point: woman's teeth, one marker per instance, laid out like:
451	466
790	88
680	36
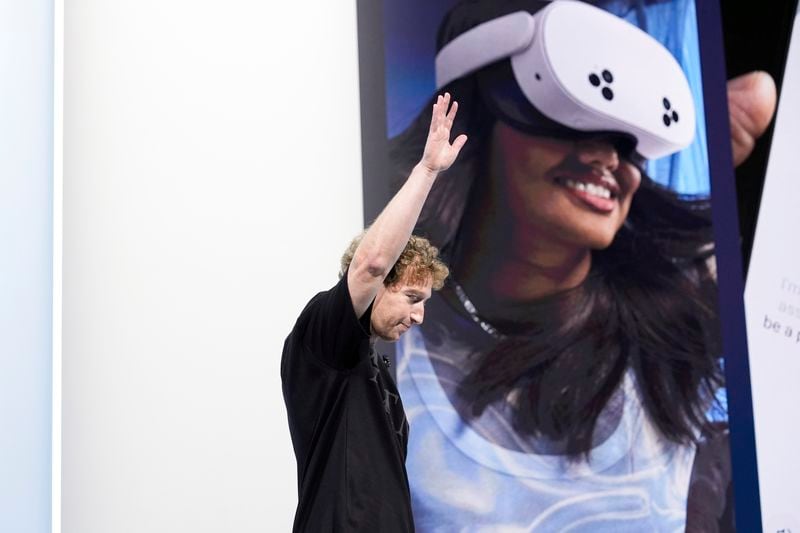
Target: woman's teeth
589	188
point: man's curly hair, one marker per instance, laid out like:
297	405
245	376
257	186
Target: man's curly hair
418	263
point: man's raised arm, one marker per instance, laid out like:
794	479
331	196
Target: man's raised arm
387	236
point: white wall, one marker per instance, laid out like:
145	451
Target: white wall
211	181
26	159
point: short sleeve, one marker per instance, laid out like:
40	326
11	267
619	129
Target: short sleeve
330	329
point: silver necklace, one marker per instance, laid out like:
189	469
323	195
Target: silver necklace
472	311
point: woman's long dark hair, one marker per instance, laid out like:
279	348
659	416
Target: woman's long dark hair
649	304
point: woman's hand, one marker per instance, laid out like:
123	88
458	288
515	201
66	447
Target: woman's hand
751	104
439	154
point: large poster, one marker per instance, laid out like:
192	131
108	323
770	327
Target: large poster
570	376
773	311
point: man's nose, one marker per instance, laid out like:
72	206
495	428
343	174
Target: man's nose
417	315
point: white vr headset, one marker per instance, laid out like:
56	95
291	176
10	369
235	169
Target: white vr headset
586	69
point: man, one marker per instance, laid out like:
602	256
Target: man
346	419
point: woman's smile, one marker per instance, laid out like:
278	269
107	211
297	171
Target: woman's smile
575	192
597	192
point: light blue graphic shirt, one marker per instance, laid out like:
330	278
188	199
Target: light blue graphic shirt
460	482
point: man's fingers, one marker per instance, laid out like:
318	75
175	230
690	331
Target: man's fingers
451	115
458	144
438	113
751	101
436	106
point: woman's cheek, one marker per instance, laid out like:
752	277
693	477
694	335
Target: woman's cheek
632	177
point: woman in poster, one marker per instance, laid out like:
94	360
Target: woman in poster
567	376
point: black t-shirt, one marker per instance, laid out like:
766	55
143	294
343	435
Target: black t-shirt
347	422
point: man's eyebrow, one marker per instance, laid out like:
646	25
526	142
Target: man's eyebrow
422	295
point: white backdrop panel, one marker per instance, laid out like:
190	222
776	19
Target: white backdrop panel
211	181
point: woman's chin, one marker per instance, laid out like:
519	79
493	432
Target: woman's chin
602	243
590	238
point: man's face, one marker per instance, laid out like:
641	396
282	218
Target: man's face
399	306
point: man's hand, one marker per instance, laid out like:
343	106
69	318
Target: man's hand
385	239
751	104
439	153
